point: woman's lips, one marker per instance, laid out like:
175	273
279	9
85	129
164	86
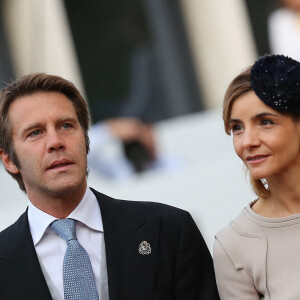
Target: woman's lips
256	159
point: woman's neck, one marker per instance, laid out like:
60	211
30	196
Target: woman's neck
284	199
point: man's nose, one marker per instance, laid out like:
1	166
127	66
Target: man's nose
54	141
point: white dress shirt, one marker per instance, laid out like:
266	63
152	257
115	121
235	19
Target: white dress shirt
50	248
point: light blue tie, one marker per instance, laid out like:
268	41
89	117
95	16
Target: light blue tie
78	277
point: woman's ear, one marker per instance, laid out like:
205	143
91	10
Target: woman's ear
8	163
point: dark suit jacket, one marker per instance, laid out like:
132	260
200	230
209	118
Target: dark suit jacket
179	266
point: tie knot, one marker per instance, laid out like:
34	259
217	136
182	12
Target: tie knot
65	229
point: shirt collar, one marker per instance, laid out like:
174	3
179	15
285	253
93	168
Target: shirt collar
87	212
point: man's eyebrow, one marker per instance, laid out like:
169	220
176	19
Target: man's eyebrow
39	124
30	127
66	118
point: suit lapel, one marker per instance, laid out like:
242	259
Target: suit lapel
24	278
131	275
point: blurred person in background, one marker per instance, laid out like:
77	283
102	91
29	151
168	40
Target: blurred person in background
284	29
257	255
122	147
74	242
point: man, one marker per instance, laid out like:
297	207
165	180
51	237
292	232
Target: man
125	250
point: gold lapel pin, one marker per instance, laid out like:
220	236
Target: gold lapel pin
144	248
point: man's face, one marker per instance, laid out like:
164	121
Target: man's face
49	144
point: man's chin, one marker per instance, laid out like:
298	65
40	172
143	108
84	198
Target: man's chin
60	190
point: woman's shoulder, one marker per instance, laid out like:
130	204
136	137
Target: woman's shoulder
239	226
241	240
244	223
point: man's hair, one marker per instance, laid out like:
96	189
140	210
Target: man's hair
28	85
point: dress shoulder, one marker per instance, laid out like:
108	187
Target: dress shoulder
238	240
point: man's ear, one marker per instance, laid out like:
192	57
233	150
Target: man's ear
7	162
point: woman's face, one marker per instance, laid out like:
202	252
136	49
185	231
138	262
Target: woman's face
267	141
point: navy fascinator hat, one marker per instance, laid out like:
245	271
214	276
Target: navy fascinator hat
275	80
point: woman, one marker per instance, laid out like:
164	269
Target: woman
257	256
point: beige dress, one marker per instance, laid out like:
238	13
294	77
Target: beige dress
258	258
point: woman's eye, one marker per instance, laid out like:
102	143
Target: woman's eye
266	122
235	128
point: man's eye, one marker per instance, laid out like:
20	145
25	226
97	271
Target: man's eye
35	132
66	126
